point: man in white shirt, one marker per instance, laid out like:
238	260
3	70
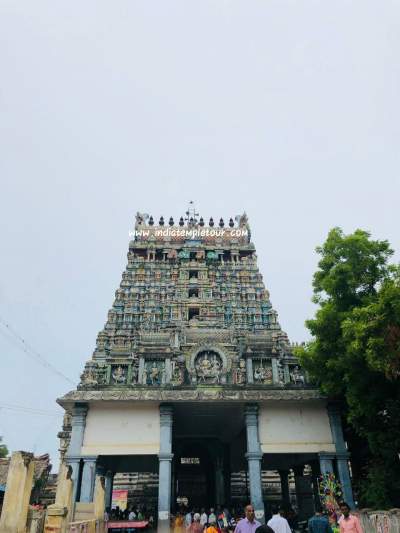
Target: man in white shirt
278	523
203	517
188	519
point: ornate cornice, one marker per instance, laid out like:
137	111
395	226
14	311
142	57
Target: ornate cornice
210	394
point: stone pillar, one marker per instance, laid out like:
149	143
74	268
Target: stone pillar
286	373
56	519
219	481
342	454
60	513
109	481
284	475
315	474
165	458
249	368
18	492
99	498
78	423
168	370
73	456
88	479
304	493
326	462
275	371
344	477
140	372
254	456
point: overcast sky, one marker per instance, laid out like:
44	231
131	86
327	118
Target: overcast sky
288	110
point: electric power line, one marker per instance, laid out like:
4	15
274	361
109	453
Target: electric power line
28	410
31	352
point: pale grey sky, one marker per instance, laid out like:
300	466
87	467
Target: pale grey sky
286	109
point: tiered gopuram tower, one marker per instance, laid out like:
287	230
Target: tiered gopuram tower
192	378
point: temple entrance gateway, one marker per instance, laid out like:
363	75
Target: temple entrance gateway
194	384
194	477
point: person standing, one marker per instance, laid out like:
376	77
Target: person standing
188	520
178	523
203	517
248	524
196	527
212	527
349	523
319	523
212	519
278	523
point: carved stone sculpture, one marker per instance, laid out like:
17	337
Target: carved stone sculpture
119	375
240	373
208	367
262	373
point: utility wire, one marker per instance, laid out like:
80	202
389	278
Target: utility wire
28	410
31	352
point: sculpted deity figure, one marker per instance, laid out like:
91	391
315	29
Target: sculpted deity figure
208	369
216	369
89	377
240	373
205	365
101	343
163	375
135	372
263	374
119	375
258	373
144	376
177	373
297	377
154	374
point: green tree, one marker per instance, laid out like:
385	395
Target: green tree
355	351
3	449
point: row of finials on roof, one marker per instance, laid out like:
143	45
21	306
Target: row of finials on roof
192	221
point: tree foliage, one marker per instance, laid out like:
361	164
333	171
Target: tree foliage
355	351
3	449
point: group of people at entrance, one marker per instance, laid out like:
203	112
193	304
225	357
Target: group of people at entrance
319	523
222	521
199	521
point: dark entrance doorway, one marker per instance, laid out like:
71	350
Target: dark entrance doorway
194	476
208	441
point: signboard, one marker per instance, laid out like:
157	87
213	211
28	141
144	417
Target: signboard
120	499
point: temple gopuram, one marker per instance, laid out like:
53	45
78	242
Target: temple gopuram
194	384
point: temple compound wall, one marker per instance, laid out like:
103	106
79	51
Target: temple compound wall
194	384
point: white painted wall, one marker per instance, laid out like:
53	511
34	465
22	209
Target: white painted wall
295	428
120	428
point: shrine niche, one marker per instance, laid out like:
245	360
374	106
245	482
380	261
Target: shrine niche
119	374
262	372
208	367
154	373
240	373
177	372
296	375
